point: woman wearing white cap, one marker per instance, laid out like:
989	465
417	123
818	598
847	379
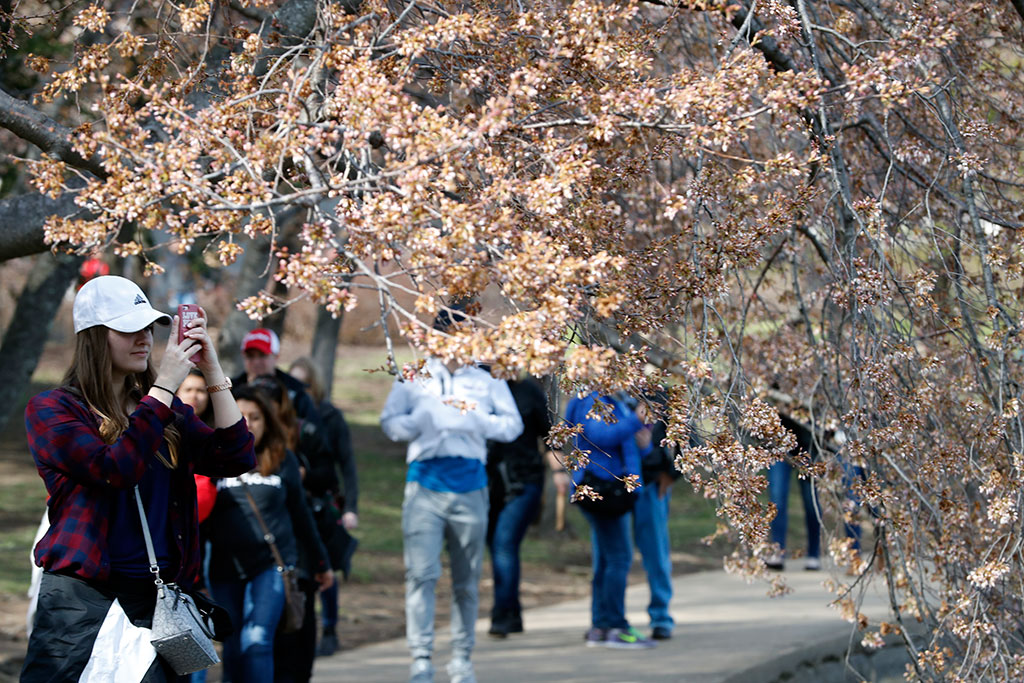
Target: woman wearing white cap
114	426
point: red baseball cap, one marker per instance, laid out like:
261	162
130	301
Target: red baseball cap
263	340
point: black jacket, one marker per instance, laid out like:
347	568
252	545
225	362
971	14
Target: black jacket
338	438
521	461
237	547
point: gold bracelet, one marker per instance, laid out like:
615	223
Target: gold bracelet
213	389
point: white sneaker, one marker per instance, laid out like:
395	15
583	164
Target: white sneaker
460	670
421	671
812	564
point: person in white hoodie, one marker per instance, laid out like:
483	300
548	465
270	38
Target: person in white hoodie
447	418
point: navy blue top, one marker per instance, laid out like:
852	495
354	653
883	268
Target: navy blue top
128	556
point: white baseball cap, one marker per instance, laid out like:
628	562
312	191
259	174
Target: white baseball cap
117	303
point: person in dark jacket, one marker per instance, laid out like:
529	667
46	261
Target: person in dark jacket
515	476
337	512
779	476
243	575
111	431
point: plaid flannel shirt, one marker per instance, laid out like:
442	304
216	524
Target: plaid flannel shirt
81	471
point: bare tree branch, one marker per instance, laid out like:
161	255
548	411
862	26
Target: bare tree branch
32	125
22	218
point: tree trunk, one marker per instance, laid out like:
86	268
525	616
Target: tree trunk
26	335
325	346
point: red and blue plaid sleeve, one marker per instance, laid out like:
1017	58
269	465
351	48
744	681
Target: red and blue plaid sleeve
223	452
80	469
64	439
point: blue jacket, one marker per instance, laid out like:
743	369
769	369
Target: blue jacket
613	451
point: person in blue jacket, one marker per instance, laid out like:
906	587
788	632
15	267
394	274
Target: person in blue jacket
613	453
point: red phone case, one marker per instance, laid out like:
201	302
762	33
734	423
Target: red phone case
186	313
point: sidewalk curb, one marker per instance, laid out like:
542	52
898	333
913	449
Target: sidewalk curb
826	662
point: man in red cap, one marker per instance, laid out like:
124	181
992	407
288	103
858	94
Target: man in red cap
260	351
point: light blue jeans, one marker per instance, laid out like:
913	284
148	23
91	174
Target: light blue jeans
650	533
431	521
255	607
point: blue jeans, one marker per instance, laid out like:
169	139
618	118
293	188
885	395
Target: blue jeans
612	550
650	532
512	522
779	475
255	607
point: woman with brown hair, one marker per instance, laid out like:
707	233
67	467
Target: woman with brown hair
244	576
112	431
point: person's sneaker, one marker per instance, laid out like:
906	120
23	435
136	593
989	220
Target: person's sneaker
627	639
460	670
515	624
595	637
421	671
812	564
775	562
328	645
661	633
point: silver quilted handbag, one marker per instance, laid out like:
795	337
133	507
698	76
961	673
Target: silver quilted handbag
180	634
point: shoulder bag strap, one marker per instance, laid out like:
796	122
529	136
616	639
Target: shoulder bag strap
153	566
267	536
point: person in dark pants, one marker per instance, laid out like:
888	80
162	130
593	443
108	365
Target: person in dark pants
515	476
337	511
779	476
111	437
614	454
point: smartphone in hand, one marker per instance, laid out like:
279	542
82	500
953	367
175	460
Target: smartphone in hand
187	313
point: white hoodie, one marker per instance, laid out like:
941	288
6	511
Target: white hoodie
450	414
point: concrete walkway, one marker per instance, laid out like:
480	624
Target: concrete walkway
726	631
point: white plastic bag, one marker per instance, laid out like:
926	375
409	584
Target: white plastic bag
122	652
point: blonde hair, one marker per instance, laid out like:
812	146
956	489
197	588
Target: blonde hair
313	381
91	375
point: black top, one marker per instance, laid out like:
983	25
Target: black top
237	548
521	461
339	441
